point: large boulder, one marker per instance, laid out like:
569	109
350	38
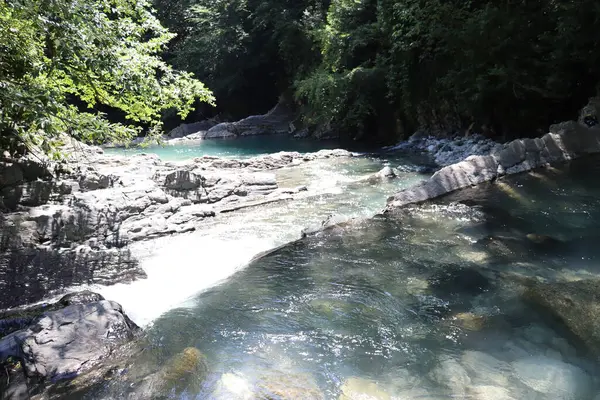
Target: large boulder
65	343
564	142
574	304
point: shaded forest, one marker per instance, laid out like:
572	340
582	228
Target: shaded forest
371	70
381	69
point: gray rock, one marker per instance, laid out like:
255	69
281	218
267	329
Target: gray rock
276	121
329	223
95	181
565	142
221	131
185	130
64	343
387	172
10	174
83	297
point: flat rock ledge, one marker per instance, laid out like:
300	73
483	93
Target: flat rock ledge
564	142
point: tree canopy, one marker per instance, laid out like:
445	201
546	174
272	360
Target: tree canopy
374	69
366	69
63	61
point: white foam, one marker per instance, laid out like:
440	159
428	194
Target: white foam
180	268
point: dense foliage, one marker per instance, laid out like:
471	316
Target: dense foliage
370	69
62	61
378	68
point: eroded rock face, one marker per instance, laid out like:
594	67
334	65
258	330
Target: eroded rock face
276	121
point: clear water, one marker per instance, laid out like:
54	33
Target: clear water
415	305
236	148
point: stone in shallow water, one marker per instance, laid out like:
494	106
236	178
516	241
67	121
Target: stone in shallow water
574	304
449	373
485	369
454	279
362	389
469	321
289	387
233	387
554	378
184	372
489	393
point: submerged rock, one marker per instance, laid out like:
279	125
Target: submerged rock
288	387
485	392
469	321
450	374
233	387
553	378
184	372
574	304
485	369
362	389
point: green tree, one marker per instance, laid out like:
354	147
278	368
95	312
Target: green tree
248	52
61	60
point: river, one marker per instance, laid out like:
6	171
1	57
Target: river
421	304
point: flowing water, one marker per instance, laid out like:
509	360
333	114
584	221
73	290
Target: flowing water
421	304
222	245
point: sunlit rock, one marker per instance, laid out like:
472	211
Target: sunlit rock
233	387
183	372
362	389
553	378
